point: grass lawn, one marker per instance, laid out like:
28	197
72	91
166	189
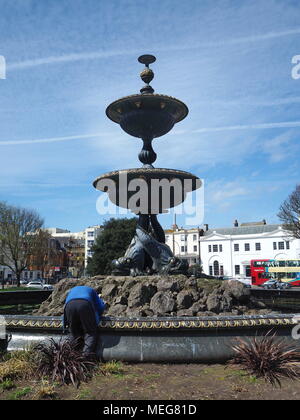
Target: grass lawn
118	381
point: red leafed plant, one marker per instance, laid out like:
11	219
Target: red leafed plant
267	357
62	362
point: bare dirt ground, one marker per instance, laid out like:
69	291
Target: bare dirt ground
162	382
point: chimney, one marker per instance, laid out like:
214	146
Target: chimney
174	226
236	223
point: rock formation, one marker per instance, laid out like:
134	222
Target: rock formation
160	296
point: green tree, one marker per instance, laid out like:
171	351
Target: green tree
289	213
195	270
111	244
18	236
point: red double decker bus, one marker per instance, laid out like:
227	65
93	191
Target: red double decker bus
285	271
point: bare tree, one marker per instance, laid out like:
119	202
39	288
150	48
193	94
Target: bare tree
43	251
18	237
289	213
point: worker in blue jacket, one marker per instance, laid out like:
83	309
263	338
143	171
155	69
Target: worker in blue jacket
82	312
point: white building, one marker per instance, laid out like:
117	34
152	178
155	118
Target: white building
64	236
91	234
228	251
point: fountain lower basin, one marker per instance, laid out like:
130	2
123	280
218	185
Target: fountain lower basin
188	339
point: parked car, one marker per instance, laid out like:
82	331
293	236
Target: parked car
246	282
39	285
270	284
48	287
23	282
283	286
275	284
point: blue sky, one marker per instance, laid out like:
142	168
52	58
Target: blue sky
229	61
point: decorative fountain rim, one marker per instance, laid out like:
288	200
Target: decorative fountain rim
116	116
160	323
164	172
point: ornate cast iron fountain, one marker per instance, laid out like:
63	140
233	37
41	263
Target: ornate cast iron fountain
147	116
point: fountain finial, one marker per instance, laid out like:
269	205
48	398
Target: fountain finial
147	74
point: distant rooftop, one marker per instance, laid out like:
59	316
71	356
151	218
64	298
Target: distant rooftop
244	229
56	230
263	222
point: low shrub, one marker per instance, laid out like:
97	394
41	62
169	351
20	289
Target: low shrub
63	363
267	357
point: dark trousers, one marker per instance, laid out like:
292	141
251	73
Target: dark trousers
81	319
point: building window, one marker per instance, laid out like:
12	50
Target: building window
237	269
195	248
210	270
248	271
247	247
90	243
194	237
167	238
236	247
216	268
258	246
182	249
209	248
215	248
287	244
280	245
220	248
274	246
90	234
221	270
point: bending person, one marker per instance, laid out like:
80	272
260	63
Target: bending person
82	312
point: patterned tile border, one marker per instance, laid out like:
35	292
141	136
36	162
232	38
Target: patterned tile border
145	324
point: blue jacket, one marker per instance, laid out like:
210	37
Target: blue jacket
89	294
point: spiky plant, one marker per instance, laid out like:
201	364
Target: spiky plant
62	362
267	357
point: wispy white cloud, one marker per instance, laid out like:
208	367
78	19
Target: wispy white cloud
263	126
280	147
229	190
66	58
96	55
253	101
53	139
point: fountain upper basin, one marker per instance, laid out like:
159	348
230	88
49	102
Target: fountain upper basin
147	115
161	189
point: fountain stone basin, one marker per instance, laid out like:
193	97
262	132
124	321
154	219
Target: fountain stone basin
171	339
161	189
